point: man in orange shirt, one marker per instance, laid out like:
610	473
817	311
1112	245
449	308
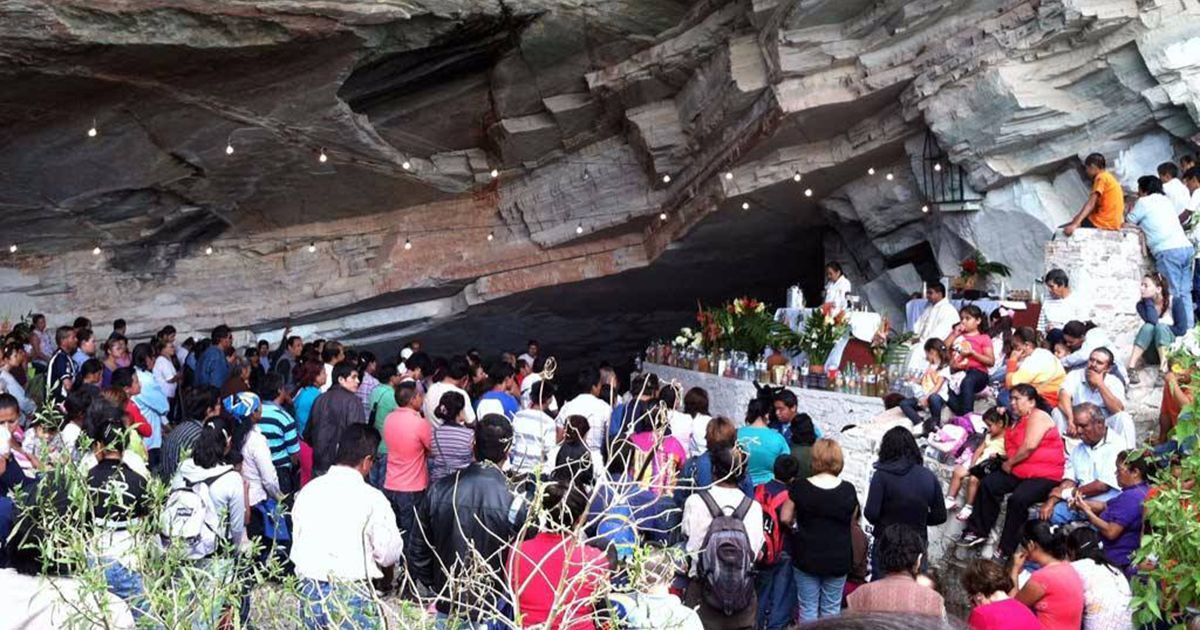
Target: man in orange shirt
1105	207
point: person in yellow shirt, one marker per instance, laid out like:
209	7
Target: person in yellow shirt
1105	207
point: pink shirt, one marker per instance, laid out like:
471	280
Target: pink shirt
408	437
979	343
1008	614
668	461
551	566
1062	605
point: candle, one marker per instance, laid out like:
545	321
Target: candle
924	290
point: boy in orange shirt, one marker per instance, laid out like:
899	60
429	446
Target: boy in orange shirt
1105	207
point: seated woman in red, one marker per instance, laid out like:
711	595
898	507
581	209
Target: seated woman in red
1055	591
554	573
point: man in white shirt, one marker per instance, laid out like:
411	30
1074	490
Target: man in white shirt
532	349
1091	467
589	405
455	379
1099	386
331	355
1191	180
344	531
935	323
1173	252
1174	189
534	433
1060	306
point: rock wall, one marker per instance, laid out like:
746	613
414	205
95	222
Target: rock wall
583	139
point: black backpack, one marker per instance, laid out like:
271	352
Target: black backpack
726	562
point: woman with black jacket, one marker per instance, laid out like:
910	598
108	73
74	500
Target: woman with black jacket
902	490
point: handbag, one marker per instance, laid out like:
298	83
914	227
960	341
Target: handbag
986	467
274	524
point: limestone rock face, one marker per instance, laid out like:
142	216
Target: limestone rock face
440	154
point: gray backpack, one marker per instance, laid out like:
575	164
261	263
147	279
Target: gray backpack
726	562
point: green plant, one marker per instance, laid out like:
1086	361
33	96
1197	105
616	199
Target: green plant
823	328
744	325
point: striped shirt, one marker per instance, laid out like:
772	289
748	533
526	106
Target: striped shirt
453	448
279	428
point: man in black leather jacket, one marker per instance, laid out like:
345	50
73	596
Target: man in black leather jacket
465	525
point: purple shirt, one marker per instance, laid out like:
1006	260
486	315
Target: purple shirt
1125	510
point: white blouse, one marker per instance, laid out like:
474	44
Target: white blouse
163	372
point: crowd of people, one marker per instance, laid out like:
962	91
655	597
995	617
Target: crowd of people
483	490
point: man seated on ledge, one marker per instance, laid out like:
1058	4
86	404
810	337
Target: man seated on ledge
1099	386
1091	469
936	322
1105	207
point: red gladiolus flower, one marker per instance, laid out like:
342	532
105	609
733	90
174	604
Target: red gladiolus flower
970	266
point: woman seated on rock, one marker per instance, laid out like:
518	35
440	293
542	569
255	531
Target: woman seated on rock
1155	336
988	586
1120	520
1055	591
1106	593
1034	466
1032	364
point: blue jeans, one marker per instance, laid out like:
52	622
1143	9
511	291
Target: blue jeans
377	473
1063	514
819	596
345	605
776	586
403	505
963	402
1176	265
909	407
126	584
1196	290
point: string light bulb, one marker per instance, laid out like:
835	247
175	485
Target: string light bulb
96	250
889	177
208	250
745	205
312	248
92	130
322	158
925	209
796	177
807	192
406	165
871	171
728	174
662	216
407	244
666	179
228	148
491	236
579	229
12	249
937	166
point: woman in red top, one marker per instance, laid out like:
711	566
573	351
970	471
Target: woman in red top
554	573
1034	466
971	353
1055	591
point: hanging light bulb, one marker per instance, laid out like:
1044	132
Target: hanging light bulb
662	216
745	205
889	177
322	158
208	250
92	130
666	179
807	192
495	173
96	250
491	236
407	244
729	175
937	166
312	248
579	229
871	171
406	165
228	148
925	209
586	174
12	249
796	177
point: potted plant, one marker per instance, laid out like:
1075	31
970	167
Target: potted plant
974	271
823	328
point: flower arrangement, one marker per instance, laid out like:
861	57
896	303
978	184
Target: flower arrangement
823	328
688	338
977	265
743	325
